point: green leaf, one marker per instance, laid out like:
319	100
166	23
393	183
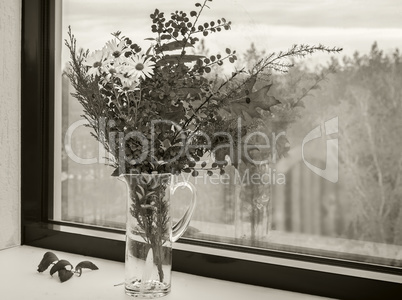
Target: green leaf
165	37
139	195
47	260
65	275
85	265
246	107
175	114
149	194
189	90
141	189
191	127
61	264
175	45
176	58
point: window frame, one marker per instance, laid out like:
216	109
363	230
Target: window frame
37	173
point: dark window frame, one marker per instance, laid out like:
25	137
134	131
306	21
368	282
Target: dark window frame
37	122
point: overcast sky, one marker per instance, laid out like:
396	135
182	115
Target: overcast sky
271	25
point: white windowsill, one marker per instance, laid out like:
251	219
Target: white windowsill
20	280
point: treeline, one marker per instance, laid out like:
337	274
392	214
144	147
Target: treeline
365	93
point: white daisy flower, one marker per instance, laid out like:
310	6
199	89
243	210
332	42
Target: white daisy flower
115	50
125	75
141	66
128	86
110	71
96	62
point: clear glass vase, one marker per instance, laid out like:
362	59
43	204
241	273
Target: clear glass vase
150	233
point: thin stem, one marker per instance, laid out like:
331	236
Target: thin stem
198	15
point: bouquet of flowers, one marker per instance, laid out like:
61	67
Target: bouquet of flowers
162	109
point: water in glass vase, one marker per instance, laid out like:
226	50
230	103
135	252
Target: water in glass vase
148	267
150	233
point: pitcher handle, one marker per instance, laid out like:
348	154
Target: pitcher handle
180	227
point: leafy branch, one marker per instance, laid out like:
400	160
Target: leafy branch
129	91
275	60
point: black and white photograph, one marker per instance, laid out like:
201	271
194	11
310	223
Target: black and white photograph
213	149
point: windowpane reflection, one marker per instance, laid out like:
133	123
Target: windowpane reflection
338	191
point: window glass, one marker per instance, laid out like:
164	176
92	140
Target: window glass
337	192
